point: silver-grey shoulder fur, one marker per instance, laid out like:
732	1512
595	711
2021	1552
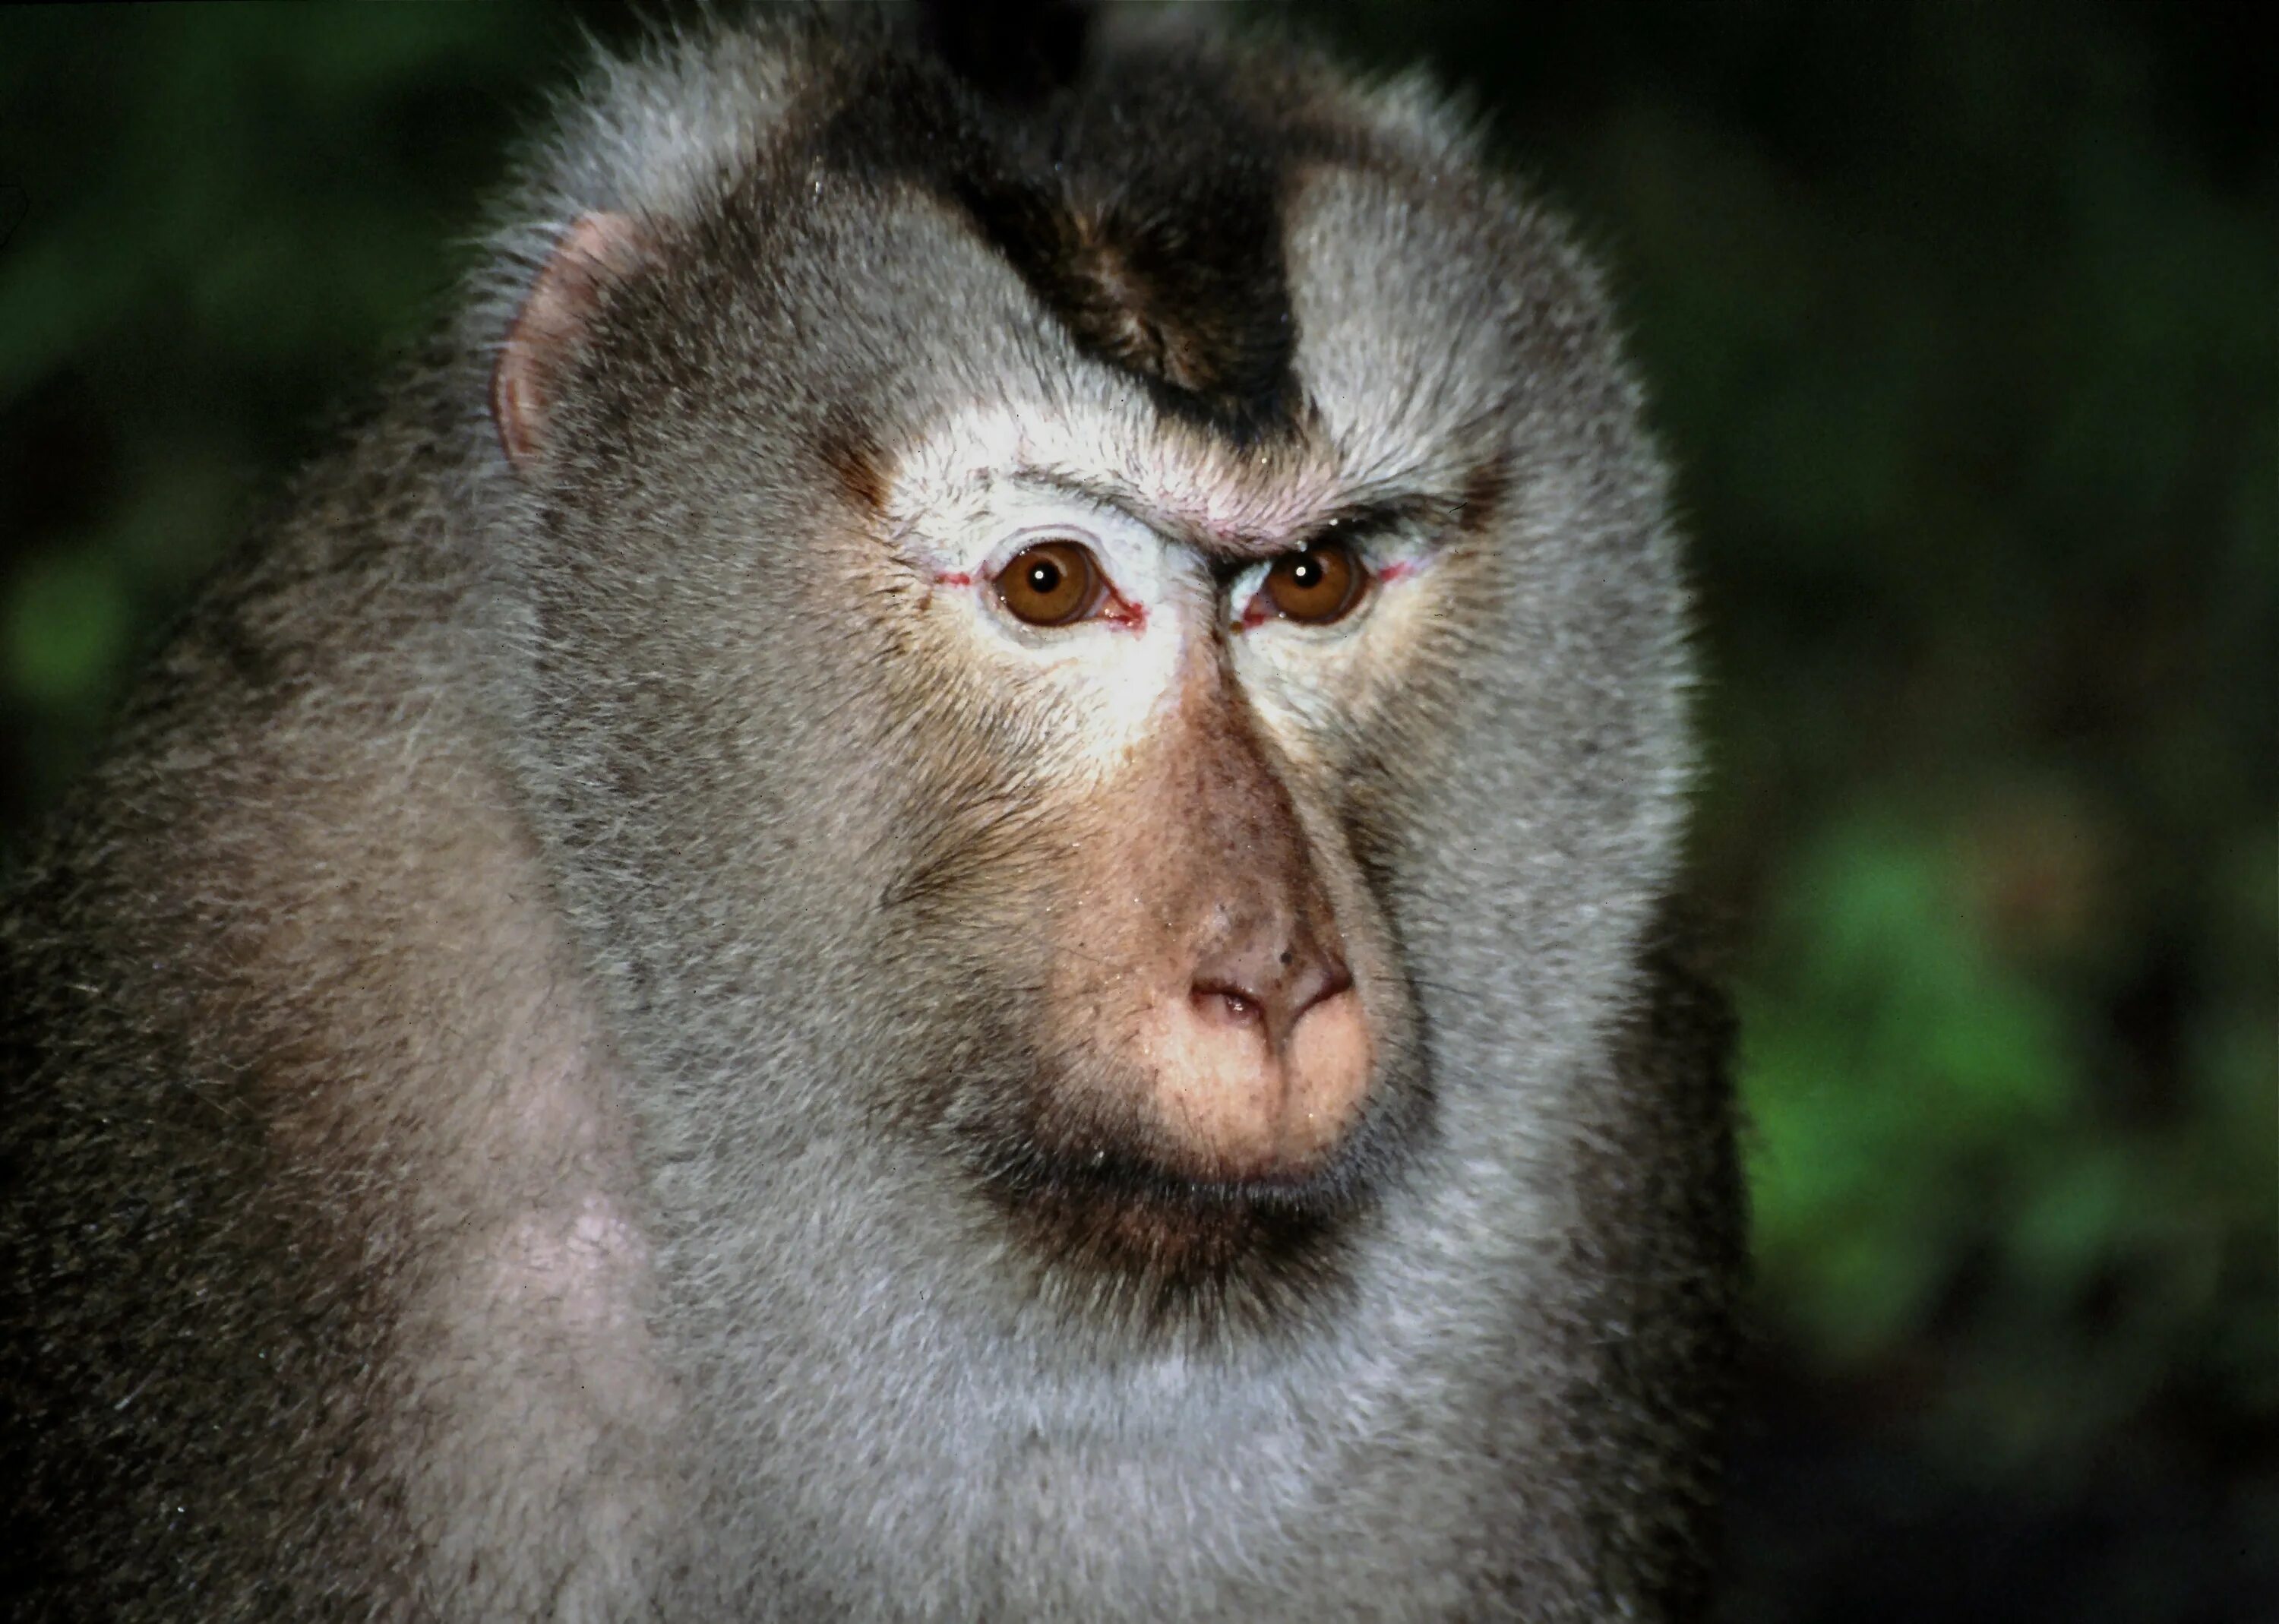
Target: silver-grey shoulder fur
463	1159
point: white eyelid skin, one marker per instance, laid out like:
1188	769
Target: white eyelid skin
1243	590
1118	672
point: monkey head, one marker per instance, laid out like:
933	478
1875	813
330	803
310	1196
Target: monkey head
1033	575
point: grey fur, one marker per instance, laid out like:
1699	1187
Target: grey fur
460	1154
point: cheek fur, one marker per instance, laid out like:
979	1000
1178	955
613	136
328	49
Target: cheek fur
1100	689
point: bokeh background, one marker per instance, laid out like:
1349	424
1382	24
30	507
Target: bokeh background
1962	322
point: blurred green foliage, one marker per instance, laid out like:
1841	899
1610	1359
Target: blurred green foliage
224	218
1961	322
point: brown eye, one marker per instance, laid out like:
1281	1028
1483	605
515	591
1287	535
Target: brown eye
1318	584
1051	583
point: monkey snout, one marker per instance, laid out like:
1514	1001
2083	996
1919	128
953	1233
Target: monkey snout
1265	1061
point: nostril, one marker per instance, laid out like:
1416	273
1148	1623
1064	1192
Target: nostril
1263	967
1277	1003
1321	983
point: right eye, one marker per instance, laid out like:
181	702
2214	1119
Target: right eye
1052	584
1317	585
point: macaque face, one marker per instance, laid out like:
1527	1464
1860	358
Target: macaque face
1141	694
1176	658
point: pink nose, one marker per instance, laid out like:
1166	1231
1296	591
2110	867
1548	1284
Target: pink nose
1265	1061
1275	990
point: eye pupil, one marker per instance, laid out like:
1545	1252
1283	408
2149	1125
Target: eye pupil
1044	575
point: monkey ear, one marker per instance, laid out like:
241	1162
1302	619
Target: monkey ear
596	251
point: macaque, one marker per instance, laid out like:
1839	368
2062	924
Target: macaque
936	885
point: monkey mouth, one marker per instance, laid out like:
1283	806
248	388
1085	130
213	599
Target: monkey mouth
1161	1246
1131	1179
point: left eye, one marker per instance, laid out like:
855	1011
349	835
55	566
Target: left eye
1052	584
1317	585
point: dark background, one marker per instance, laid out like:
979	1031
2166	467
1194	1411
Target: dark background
1962	322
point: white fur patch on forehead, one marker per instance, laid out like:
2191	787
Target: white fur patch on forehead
1184	484
1176	481
964	501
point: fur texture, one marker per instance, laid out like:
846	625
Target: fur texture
522	1062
